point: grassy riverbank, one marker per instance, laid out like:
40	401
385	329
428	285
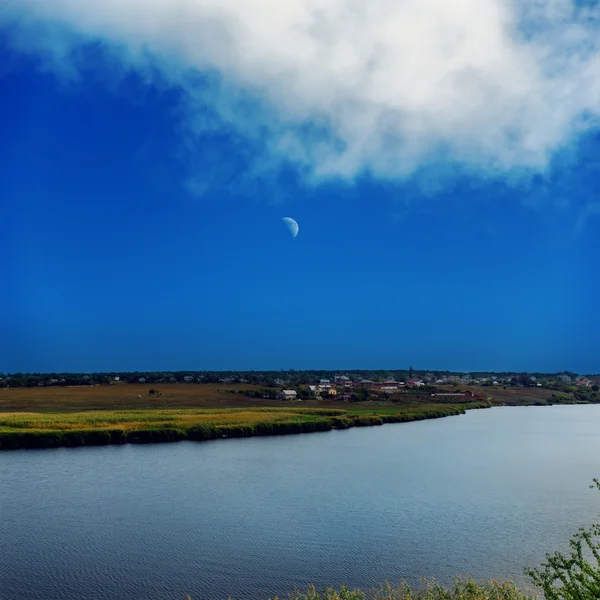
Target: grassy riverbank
45	417
52	429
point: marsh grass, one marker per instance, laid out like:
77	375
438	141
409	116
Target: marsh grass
98	427
462	589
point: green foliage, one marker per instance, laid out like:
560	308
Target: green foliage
367	420
342	422
576	576
360	394
202	432
462	589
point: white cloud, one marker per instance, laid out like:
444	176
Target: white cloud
340	87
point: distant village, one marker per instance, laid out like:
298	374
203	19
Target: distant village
340	386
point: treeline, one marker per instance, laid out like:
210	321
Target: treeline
53	379
289	378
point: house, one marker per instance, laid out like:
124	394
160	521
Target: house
387	385
324	381
117	378
142	380
287	395
278	381
188	378
366	383
413	382
313	389
341	379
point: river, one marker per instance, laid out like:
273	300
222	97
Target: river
485	494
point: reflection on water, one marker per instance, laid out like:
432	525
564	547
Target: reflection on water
485	494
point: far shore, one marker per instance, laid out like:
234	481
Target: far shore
101	415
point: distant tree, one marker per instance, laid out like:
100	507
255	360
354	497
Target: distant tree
595	388
410	373
524	379
360	395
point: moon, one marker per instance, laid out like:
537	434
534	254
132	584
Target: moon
292	225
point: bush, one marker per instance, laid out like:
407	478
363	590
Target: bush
572	577
367	420
462	589
342	422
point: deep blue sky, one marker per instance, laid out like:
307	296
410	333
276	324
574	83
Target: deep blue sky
111	262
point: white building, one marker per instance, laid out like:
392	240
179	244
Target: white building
287	395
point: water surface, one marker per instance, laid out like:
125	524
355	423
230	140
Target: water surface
486	494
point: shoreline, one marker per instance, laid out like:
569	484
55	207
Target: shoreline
267	423
69	438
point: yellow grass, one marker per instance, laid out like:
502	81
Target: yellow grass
139	419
